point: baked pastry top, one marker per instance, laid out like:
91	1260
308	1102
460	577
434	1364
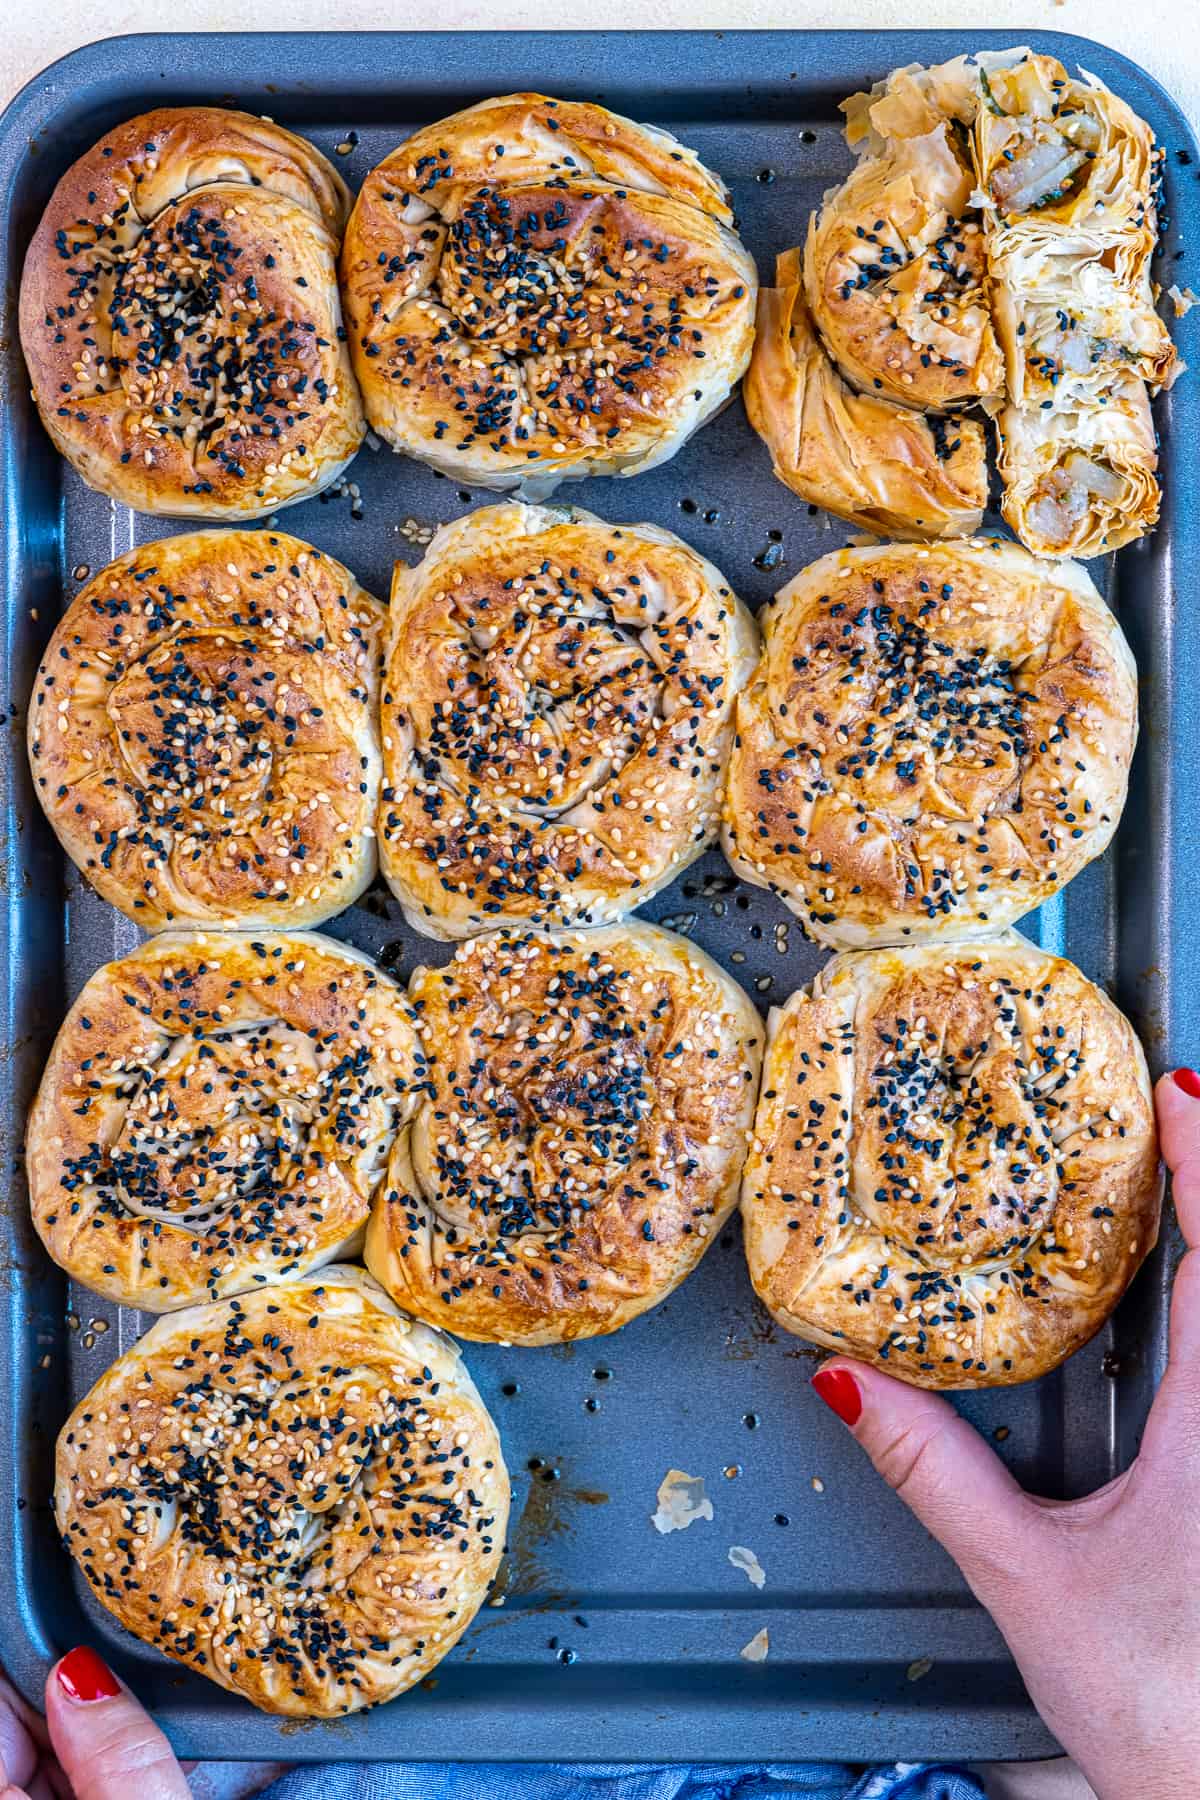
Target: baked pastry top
180	316
991	247
938	737
581	1137
557	710
861	456
204	735
895	261
539	289
298	1494
954	1172
217	1113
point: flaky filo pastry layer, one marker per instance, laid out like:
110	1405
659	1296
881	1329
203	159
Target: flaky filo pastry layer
298	1494
937	739
895	259
538	290
556	718
1067	174
866	459
954	1172
991	247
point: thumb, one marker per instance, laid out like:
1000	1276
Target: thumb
1173	1429
108	1745
941	1468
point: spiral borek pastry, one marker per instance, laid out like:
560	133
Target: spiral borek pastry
954	1172
216	1115
581	1137
203	732
298	1494
938	737
895	261
557	709
865	458
539	289
181	321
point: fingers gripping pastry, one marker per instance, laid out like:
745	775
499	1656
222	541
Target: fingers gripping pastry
216	1115
203	732
298	1494
862	457
894	262
581	1136
954	1174
937	738
557	711
539	289
180	317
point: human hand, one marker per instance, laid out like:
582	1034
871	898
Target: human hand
95	1743
1098	1599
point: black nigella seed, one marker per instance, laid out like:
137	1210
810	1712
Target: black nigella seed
602	1374
808	137
509	1388
688	506
782	1519
566	1656
591	1404
766	176
750	1421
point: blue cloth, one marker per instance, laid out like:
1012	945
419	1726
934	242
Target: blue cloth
544	1781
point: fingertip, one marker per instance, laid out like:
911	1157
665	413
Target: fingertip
837	1385
1177	1106
83	1677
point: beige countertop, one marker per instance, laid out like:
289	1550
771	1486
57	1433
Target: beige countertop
1163	35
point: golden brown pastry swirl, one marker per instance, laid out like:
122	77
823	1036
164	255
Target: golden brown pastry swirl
581	1137
895	262
298	1494
955	1172
938	737
538	289
181	321
557	710
204	735
216	1115
862	457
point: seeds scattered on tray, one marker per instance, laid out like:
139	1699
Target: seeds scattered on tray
916	1670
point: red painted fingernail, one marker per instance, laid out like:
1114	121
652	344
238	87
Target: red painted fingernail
83	1676
1189	1081
840	1392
